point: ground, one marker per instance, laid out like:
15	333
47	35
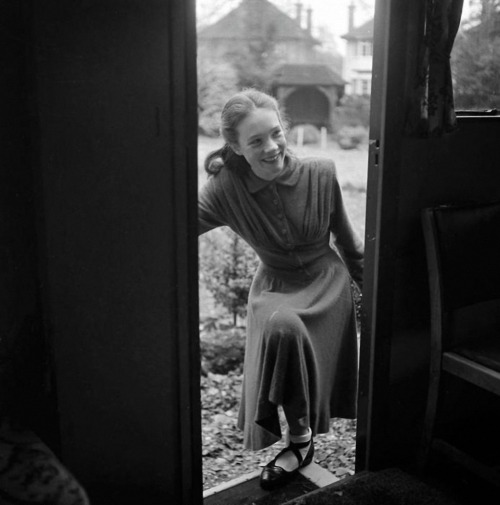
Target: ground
224	457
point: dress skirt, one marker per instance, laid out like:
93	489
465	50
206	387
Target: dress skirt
301	349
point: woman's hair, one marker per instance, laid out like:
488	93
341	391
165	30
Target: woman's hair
237	108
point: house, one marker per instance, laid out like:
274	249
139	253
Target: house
302	78
357	71
308	92
254	21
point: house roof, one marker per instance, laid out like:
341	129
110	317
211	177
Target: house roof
304	75
256	19
362	32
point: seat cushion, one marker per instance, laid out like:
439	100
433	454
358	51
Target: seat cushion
485	352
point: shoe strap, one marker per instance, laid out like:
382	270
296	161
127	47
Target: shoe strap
295	449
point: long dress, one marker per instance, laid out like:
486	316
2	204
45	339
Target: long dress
301	344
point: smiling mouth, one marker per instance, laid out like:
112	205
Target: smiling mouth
272	159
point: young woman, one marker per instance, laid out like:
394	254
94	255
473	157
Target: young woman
301	348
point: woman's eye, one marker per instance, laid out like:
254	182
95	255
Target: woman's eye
277	133
255	142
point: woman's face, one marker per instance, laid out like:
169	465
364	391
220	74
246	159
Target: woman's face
261	140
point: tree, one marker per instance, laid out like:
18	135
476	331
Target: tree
483	10
227	267
216	82
256	62
354	110
476	58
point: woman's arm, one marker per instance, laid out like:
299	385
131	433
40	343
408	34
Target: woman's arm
348	242
209	208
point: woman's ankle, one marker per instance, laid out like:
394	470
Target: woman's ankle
301	438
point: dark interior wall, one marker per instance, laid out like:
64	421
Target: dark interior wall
15	174
409	174
17	293
461	168
21	340
117	171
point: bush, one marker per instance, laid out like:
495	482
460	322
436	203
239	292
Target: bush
216	83
222	351
227	267
311	134
349	137
353	111
209	121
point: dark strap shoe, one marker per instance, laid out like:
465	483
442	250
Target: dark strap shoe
273	476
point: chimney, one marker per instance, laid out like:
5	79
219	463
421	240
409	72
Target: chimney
309	20
298	15
351	15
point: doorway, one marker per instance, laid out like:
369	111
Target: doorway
226	64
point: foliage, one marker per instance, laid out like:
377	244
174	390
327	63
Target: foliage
216	82
476	58
251	65
350	137
256	62
354	110
227	266
222	350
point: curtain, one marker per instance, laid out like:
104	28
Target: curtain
431	112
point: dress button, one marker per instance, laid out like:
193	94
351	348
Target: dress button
283	230
275	201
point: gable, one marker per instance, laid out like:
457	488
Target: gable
307	75
256	19
362	32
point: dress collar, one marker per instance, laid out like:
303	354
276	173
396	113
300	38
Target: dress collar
288	177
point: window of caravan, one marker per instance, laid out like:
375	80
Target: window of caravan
475	59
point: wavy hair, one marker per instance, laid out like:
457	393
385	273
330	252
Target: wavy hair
237	108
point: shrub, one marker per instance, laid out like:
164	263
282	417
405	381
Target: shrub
222	351
227	267
349	137
209	121
354	110
216	83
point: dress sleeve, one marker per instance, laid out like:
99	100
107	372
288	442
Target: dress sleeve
348	242
210	213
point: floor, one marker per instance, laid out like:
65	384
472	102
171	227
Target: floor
245	490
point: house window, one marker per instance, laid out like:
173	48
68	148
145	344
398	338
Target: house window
365	87
365	48
475	58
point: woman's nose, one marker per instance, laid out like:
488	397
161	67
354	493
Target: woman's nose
270	145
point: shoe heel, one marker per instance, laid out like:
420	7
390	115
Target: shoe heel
306	462
309	456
